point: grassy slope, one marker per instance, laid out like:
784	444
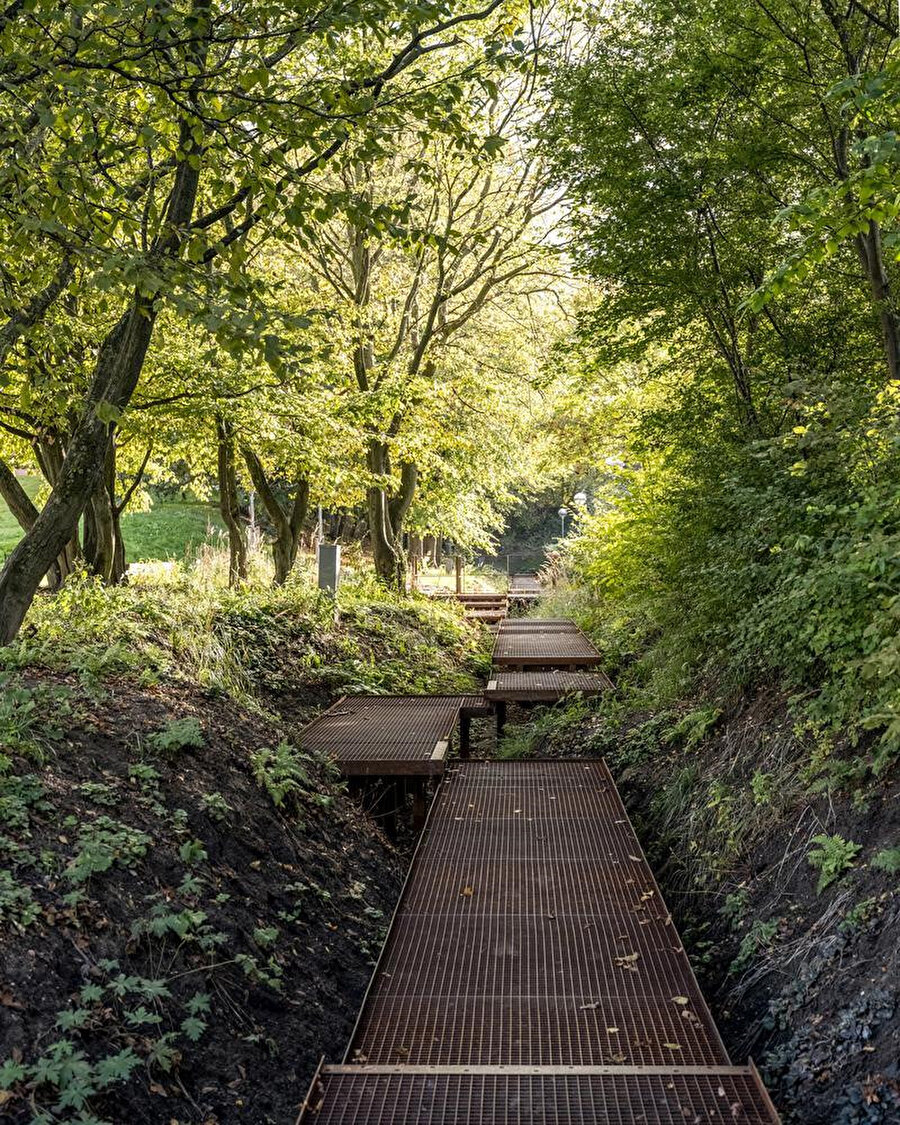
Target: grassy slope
189	907
169	530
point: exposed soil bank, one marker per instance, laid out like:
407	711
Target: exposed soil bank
165	914
190	909
807	982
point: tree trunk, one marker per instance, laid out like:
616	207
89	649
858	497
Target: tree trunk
50	452
19	503
229	503
100	529
288	523
384	549
119	366
871	256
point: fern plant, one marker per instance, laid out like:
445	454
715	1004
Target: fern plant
833	856
888	859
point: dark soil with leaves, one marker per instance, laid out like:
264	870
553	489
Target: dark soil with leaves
190	907
780	860
190	915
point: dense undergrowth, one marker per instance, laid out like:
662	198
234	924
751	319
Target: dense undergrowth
775	831
190	906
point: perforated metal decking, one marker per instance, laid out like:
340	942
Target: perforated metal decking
543	644
384	735
543	687
533	974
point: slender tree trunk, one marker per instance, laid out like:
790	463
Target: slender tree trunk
288	522
118	369
871	256
229	503
118	565
49	452
19	503
384	551
100	521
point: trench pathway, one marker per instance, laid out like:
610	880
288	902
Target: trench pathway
532	974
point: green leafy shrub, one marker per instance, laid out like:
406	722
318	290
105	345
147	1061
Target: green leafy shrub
692	728
831	858
177	734
17	905
101	844
888	859
282	772
30	718
759	937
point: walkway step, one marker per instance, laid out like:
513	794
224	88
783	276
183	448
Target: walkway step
380	735
733	1096
544	687
556	646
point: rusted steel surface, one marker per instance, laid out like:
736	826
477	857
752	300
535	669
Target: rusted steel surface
514	625
386	734
523	648
411	1098
539	687
492	961
533	973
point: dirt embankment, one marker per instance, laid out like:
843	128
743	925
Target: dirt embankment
782	869
176	946
190	907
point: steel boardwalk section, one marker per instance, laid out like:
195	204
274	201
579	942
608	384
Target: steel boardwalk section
532	932
533	974
385	734
544	687
521	648
727	1097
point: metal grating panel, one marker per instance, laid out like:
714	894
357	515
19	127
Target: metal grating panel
531	918
542	648
732	1097
537	687
538	625
372	734
532	935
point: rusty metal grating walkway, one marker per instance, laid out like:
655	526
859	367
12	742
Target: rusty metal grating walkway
533	974
544	644
380	735
544	687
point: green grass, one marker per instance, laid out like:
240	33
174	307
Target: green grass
170	530
10	532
